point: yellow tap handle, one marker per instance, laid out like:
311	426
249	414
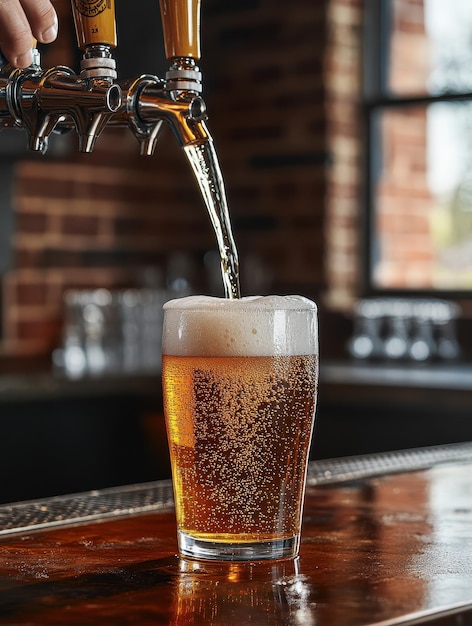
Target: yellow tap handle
95	22
181	26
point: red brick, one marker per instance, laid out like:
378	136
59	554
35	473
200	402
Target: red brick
48	332
31	294
80	225
27	258
32	222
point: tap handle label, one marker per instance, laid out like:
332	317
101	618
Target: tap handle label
95	22
181	26
90	8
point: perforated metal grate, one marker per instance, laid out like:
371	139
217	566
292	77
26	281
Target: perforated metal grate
87	506
157	496
362	466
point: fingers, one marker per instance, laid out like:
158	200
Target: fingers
42	18
20	22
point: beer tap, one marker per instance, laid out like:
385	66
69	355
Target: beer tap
58	99
43	100
95	26
149	101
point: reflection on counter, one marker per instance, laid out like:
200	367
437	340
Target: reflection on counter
226	593
388	544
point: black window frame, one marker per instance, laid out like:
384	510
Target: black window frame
377	21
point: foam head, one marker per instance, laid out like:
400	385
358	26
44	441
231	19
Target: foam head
250	326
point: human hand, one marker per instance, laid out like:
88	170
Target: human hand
21	21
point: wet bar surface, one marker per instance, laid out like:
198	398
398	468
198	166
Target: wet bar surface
385	544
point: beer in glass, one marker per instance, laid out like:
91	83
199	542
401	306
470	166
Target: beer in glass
240	381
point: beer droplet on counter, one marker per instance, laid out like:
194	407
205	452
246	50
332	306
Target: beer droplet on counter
254	331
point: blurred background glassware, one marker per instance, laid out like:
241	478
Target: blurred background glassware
111	332
70	358
366	342
444	323
448	347
422	345
417	330
396	343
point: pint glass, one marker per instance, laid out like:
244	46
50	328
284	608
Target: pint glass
240	382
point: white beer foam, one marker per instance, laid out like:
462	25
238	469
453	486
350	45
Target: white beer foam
250	326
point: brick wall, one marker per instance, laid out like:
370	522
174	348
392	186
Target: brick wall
98	220
403	198
403	217
266	102
342	75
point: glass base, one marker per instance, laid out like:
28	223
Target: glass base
191	547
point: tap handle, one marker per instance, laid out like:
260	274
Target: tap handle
181	26
95	22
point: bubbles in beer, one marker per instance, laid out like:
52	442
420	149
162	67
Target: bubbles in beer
241	448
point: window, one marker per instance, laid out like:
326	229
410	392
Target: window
418	121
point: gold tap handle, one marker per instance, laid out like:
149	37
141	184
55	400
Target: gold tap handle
181	26
95	22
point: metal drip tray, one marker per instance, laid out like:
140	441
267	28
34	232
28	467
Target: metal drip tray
87	506
362	466
158	496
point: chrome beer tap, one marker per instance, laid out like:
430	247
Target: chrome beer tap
41	101
95	26
149	101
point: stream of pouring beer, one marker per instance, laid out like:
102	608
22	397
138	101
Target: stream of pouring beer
204	162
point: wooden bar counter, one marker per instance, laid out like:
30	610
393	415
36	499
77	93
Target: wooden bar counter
387	539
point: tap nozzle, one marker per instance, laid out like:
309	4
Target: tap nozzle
58	95
147	104
185	114
145	131
90	103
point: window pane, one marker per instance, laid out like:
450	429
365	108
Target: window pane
429	47
422	198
